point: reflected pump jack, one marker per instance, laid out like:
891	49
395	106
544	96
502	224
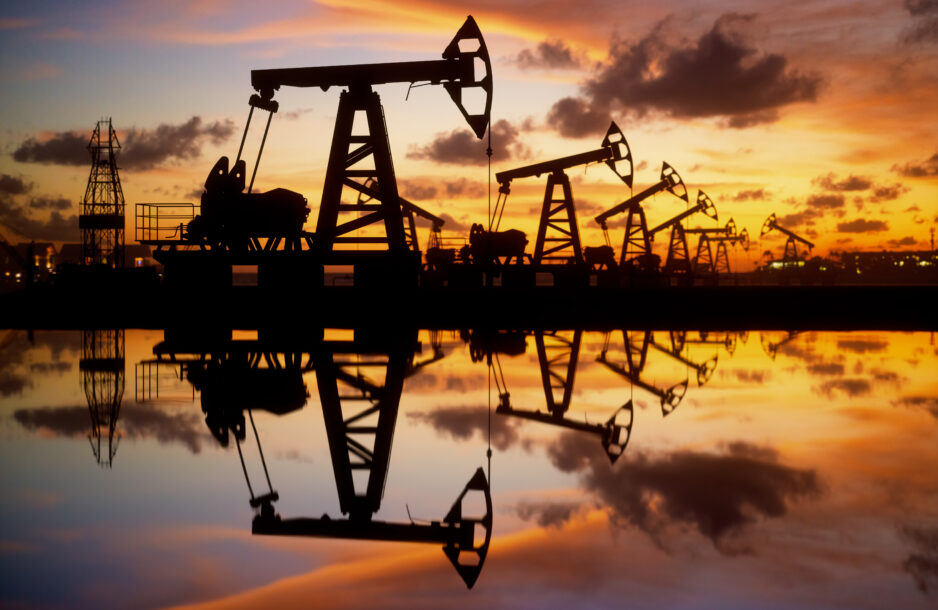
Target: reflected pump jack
558	236
636	249
636	355
359	411
350	153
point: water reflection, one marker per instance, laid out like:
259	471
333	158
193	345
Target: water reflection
755	460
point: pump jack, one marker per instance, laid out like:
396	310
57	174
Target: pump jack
636	249
791	248
721	262
678	260
455	72
558	225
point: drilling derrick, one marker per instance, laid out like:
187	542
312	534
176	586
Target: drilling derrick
102	379
558	237
101	218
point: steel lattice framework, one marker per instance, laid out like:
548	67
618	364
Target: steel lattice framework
101	219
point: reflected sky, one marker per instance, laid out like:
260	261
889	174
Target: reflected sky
797	469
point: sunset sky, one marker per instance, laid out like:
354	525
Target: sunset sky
821	111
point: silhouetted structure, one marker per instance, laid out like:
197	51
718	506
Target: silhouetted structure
102	379
101	217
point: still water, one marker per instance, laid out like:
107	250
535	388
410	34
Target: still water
620	469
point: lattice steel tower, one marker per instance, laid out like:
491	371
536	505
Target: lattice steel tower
102	210
102	379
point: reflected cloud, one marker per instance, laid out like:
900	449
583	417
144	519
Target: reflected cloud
861	346
547	513
14	350
718	494
852	387
462	423
922	563
928	403
826	369
134	422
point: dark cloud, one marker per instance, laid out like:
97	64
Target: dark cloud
574	117
133	422
924	26
797	219
862	346
552	55
462	147
928	403
548	514
850	183
13	186
451	224
50	203
461	423
718	494
852	387
142	149
56	227
754	195
825	201
826	369
922	563
50	367
862	225
63	148
417	190
641	165
905	241
720	75
887	193
922	169
751	376
464	187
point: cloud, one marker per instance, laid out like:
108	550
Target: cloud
64	148
861	346
50	203
549	54
13	186
462	423
862	225
899	243
922	563
718	494
451	224
850	183
924	26
853	387
133	422
888	193
548	514
574	117
920	169
721	75
56	227
460	146
754	195
825	201
464	187
751	376
928	403
826	368
420	191
805	217
142	149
